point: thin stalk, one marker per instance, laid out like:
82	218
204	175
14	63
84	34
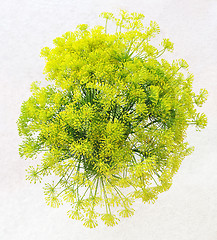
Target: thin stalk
108	210
154	179
150	123
161	53
106	23
137	47
94	197
95	191
62	177
116	189
157	174
73	184
85	193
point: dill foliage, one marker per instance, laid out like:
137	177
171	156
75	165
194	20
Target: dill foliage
111	123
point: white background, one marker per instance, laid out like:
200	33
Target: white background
188	211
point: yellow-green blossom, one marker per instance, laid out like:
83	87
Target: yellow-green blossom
110	126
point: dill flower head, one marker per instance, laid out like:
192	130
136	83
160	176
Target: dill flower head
110	125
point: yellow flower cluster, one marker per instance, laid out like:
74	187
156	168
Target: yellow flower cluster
110	126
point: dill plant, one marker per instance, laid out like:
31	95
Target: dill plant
111	124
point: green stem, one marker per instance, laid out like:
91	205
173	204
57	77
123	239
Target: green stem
153	179
62	176
137	47
161	53
94	198
106	23
108	210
